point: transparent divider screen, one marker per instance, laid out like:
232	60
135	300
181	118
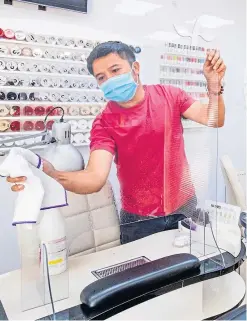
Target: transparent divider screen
174	187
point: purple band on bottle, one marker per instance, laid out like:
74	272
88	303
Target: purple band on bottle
40	161
24	222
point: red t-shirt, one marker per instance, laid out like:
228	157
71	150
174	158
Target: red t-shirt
148	145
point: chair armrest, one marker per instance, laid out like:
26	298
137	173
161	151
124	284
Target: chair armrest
131	283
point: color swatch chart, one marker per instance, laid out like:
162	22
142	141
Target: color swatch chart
182	66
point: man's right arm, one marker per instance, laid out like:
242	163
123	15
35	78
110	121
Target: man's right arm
93	178
87	181
90	180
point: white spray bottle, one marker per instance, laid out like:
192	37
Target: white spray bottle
52	230
52	233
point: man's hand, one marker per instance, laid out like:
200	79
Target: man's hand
214	70
211	114
18	181
48	168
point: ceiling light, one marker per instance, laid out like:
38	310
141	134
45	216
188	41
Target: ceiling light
163	36
207	21
136	7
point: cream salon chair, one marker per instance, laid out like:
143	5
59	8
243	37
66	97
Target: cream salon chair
235	192
92	222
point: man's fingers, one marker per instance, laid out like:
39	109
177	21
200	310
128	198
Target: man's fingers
215	58
16	179
210	54
222	67
218	64
17	187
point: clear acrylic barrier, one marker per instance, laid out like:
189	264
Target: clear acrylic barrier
35	290
201	236
191	150
188	155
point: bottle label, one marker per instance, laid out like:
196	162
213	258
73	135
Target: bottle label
57	256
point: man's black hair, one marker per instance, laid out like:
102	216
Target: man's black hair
106	48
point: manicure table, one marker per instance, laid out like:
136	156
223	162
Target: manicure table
207	292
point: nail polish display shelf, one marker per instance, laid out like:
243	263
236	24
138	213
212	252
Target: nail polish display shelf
33	132
20	88
43	45
182	66
189	124
67	117
48	74
39	72
192	90
181	77
48	103
5	149
185	54
44	60
184	50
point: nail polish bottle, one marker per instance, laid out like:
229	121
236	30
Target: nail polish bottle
28	126
49	124
15	111
53	113
39	125
39	111
15	126
28	111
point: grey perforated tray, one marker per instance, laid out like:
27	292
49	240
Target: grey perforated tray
113	269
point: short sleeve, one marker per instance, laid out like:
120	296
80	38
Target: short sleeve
184	100
100	137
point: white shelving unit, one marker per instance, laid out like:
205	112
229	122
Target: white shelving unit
46	74
48	103
5	149
67	117
41	59
189	124
47	89
43	45
56	58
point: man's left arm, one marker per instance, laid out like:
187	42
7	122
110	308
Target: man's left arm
213	113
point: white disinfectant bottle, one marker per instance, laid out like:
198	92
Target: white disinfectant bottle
52	233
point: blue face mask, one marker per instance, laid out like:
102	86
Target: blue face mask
120	88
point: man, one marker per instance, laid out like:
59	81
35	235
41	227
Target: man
141	127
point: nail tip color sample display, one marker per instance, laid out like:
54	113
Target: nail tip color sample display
182	66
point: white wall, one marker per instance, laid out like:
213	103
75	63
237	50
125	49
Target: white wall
102	23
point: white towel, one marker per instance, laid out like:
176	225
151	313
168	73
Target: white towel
41	191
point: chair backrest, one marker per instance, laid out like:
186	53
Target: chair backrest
92	222
233	186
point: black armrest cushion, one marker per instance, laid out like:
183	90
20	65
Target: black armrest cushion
243	219
235	314
126	285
